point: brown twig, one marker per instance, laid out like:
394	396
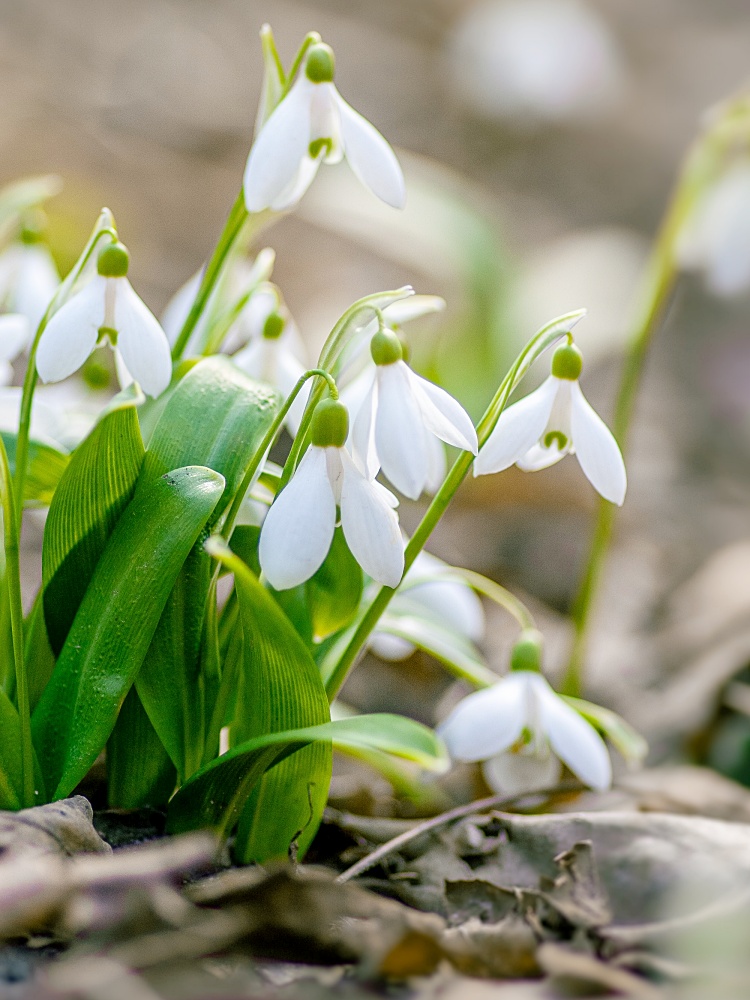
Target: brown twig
480	805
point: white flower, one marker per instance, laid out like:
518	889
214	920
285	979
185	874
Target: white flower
311	125
553	421
106	307
14	336
28	280
716	236
429	592
401	419
518	727
298	529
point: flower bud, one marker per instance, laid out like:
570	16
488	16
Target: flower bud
113	261
320	65
567	362
385	348
527	652
330	424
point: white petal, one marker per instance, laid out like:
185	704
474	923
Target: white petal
443	415
15	332
288	372
178	307
390	647
487	722
123	375
36	283
72	333
370	526
597	450
413	308
279	148
453	604
520	426
363	429
516	773
400	435
437	464
576	743
538	457
141	341
6	373
297	186
298	529
371	157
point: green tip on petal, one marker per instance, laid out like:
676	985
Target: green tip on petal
567	362
274	326
33	227
330	424
113	261
321	64
385	348
527	652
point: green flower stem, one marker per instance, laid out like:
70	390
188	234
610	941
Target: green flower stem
267	442
547	336
660	279
232	229
13	581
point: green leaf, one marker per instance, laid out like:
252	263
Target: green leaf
214	796
38	655
334	592
93	492
280	689
11	767
116	621
216	417
139	770
45	469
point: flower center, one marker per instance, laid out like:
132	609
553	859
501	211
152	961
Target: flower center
555	437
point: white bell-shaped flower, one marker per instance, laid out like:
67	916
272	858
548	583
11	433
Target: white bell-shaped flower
28	280
106	308
553	421
401	419
298	529
314	125
521	729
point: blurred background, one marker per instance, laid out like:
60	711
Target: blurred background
540	140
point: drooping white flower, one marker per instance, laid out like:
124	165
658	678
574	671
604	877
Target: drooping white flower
106	308
716	236
401	418
272	353
431	593
311	125
298	529
28	280
521	729
553	421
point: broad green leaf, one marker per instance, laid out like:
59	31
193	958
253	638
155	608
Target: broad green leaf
452	650
116	621
93	492
280	689
214	796
139	770
334	592
215	417
45	469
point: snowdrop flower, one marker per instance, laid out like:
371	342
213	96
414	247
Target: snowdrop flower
553	421
106	308
312	125
429	592
402	418
298	529
522	730
716	237
28	279
272	355
14	336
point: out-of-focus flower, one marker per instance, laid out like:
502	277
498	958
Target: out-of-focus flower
14	336
521	730
400	418
298	529
716	237
106	308
431	592
311	125
28	280
536	61
553	421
